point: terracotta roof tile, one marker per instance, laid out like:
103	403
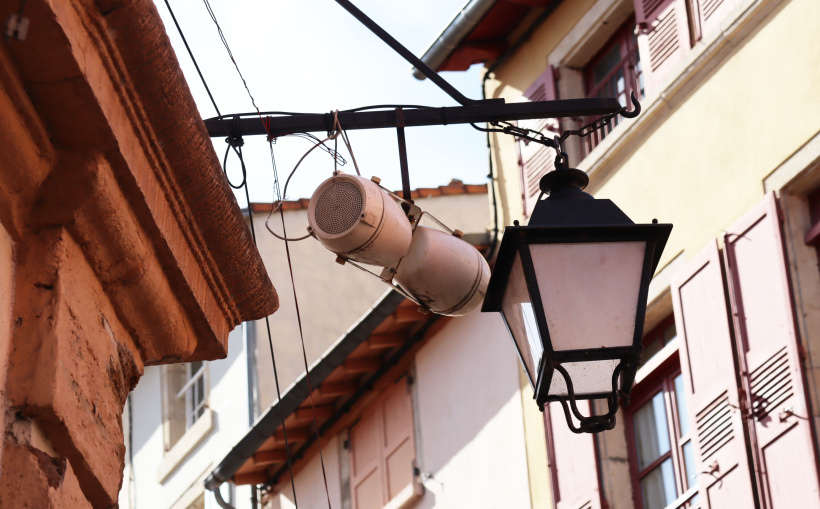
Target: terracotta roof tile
455	187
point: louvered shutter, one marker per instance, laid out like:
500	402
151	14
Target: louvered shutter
770	363
535	159
574	464
710	377
711	13
663	38
382	450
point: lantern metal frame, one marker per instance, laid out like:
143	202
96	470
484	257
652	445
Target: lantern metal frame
570	216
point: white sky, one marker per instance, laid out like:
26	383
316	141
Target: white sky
312	56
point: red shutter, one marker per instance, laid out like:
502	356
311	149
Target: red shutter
382	449
711	13
767	339
535	159
710	377
663	38
573	462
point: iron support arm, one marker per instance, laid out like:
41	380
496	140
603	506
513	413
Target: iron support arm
380	119
407	54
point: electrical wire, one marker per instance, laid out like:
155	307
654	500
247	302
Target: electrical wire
334	135
287	251
352	110
225	169
191	54
386	107
253	235
230	53
279	202
299	320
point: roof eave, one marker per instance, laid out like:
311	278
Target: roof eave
459	27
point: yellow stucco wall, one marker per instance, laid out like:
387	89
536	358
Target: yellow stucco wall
702	162
736	109
704	166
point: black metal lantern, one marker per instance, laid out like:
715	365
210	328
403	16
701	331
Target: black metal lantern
572	289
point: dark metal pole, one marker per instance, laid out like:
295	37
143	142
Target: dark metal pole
406	53
405	173
381	119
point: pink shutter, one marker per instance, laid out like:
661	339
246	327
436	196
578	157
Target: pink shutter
772	376
382	449
536	159
711	13
663	38
399	449
710	376
573	462
366	483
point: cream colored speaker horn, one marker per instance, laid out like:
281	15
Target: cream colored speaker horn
443	272
354	218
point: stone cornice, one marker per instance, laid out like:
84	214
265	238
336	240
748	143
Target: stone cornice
168	242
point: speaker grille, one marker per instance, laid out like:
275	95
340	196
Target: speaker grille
338	207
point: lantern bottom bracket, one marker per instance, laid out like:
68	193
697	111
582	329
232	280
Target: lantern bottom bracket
592	423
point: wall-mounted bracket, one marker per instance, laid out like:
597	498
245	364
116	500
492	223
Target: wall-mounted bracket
250	124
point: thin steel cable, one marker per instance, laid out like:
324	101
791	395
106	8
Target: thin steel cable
333	135
230	53
287	249
301	331
270	337
279	201
253	235
191	54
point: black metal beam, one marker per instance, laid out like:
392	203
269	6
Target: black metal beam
380	119
406	53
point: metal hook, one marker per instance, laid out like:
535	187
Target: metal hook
636	107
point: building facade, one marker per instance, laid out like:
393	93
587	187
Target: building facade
182	419
414	410
725	408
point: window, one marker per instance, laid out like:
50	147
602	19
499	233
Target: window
614	72
383	451
193	392
661	447
185	393
812	237
653	342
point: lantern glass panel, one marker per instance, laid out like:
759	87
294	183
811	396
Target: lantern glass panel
516	307
588	377
589	292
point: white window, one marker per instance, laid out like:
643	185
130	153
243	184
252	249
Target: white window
185	398
193	392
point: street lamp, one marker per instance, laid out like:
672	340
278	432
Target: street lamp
572	289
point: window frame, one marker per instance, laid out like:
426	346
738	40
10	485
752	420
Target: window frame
188	393
662	380
181	434
624	37
657	333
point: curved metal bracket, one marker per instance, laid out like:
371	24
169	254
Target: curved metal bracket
592	423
